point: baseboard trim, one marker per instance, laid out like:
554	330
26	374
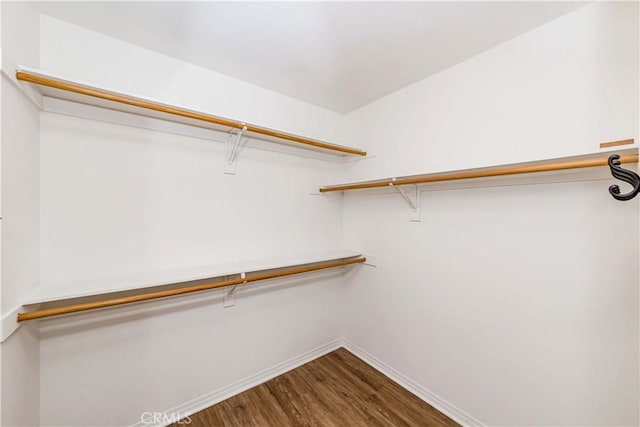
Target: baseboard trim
216	396
442	405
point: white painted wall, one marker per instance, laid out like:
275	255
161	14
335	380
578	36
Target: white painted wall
556	91
19	152
120	200
518	305
111	63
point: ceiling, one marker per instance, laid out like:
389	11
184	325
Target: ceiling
337	55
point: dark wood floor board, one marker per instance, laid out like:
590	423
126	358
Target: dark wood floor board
343	409
378	399
288	394
392	394
206	418
236	412
348	397
357	367
335	390
276	416
319	395
248	406
399	409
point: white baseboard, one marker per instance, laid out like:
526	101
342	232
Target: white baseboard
447	408
216	396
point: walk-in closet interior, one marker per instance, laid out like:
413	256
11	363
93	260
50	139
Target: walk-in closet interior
319	213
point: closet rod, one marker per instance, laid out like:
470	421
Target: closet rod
479	173
176	111
74	308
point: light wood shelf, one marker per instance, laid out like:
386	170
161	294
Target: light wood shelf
551	165
60	88
616	143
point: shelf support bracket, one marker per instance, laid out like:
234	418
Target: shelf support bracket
413	200
229	300
233	143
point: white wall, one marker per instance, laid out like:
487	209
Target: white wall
556	91
20	217
118	200
89	56
518	305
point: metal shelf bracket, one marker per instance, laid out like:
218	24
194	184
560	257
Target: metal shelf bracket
233	143
413	200
229	300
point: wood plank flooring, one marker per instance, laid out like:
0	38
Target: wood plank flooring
337	389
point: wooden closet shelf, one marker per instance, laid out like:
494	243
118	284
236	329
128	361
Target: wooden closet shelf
56	87
110	302
559	164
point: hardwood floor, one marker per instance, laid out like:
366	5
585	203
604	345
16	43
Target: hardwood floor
337	389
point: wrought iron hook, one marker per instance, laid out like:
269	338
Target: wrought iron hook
623	175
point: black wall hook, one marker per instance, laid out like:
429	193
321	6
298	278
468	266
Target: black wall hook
623	175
